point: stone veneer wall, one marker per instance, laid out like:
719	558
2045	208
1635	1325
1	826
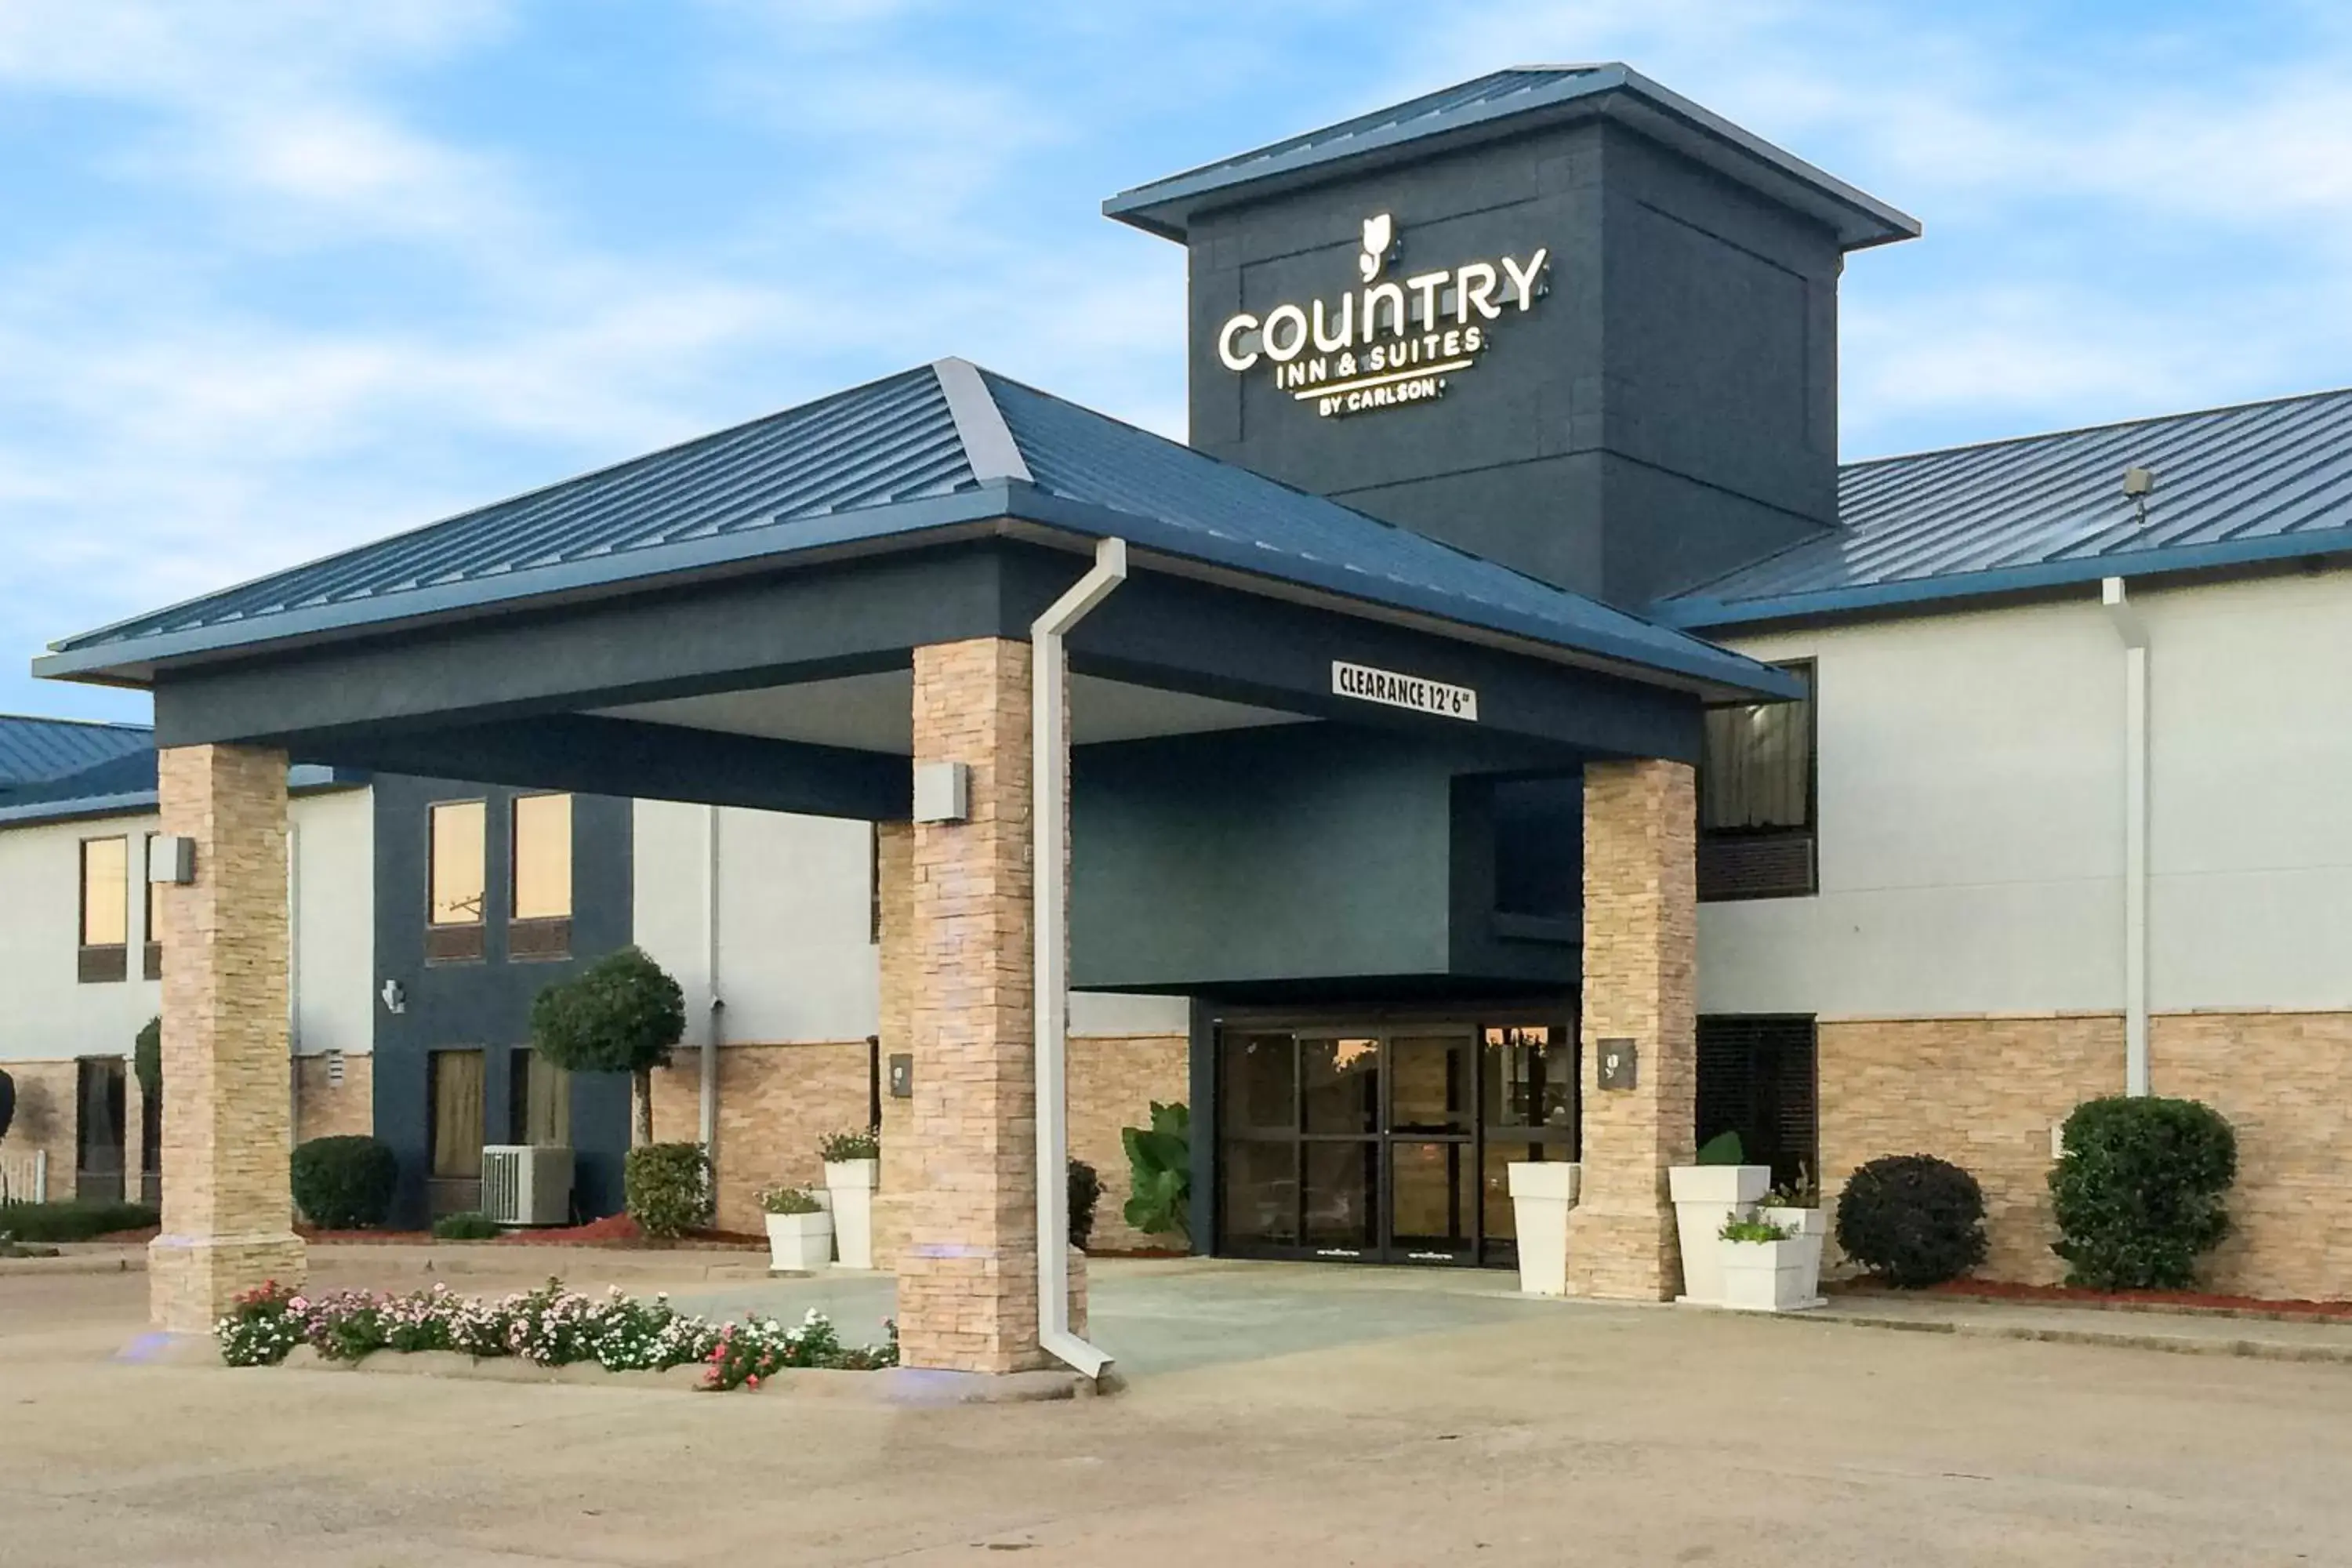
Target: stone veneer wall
967	1271
324	1110
774	1102
895	871
226	1216
1985	1093
1113	1080
1640	966
45	1119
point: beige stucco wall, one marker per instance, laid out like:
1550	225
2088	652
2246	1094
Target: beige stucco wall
1971	819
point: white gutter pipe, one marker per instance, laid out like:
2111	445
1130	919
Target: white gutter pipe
2124	617
1049	781
708	1127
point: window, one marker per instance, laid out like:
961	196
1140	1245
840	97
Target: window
1757	791
453	1132
457	857
539	1100
539	925
105	910
98	1126
151	923
1756	1077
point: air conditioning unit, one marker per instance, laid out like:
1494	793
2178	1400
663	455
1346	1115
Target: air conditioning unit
527	1183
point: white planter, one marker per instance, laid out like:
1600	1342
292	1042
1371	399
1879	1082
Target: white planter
1766	1276
800	1242
1541	1195
850	1184
1705	1196
1811	1228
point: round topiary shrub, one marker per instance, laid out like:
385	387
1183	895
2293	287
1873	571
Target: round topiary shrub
668	1187
2139	1191
345	1184
1912	1220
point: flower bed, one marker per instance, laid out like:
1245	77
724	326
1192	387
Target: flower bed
548	1327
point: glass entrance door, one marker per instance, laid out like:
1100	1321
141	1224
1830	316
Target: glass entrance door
1385	1145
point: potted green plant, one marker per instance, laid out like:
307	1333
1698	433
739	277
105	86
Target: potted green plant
852	1168
1795	1207
799	1231
1762	1267
1714	1188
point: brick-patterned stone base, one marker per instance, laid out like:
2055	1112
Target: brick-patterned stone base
1985	1093
227	1208
1113	1080
1640	949
326	1110
2281	1079
46	1121
968	1271
774	1102
1980	1092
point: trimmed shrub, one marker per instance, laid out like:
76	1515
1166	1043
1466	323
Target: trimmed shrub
1912	1220
668	1187
620	1014
1085	1191
77	1221
2139	1191
346	1183
7	1102
147	1058
471	1226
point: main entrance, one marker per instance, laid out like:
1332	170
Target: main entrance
1386	1142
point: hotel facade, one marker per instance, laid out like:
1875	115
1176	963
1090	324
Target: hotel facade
1505	666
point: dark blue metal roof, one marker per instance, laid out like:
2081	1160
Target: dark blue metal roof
125	784
1505	102
36	749
2233	486
944	446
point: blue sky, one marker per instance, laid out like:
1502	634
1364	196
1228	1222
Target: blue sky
278	276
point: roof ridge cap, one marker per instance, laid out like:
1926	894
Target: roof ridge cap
988	443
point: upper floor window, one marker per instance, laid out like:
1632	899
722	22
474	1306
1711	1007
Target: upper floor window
105	910
457	876
1756	796
540	922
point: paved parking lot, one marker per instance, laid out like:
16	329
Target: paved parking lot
1298	1415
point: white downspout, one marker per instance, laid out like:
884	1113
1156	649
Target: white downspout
293	982
2125	618
709	1126
1049	782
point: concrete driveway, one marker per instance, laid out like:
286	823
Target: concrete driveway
1371	1419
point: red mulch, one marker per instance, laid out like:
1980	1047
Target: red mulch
620	1231
2132	1301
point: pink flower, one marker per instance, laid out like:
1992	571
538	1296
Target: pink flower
752	1381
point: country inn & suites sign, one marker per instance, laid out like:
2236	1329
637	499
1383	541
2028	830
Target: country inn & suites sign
1388	344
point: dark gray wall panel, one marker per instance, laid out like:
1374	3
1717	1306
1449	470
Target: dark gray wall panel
487	1005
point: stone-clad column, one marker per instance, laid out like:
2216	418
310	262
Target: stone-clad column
1641	960
968	1274
226	1207
894	870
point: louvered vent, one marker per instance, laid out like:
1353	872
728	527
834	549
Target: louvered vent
1755	866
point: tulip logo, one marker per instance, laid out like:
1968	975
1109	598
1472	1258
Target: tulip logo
1380	233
